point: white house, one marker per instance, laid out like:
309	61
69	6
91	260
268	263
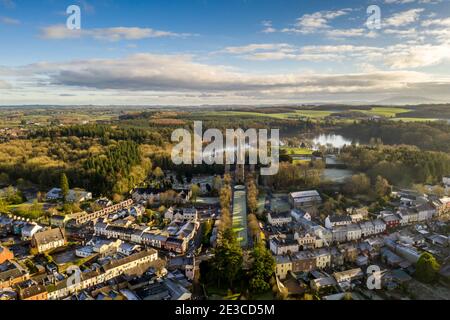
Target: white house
299	214
337	221
29	230
426	212
282	246
181	214
353	232
283	266
128	249
367	228
305	240
279	219
379	225
48	240
74	195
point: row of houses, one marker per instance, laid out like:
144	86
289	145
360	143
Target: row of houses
335	257
312	236
88	217
175	238
92	278
310	260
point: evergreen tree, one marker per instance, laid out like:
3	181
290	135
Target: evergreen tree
64	185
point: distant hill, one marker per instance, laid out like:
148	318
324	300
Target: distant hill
406	101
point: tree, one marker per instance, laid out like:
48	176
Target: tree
158	173
13	196
252	196
262	269
253	226
427	268
382	187
228	259
195	192
216	184
357	184
207	232
35	211
3	206
64	185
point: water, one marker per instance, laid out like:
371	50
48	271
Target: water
333	140
337	175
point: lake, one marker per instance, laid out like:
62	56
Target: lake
333	140
337	175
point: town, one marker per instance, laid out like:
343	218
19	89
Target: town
139	249
224	158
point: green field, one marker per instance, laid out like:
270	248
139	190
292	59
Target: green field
388	112
316	114
297	151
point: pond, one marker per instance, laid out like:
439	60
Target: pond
333	140
337	175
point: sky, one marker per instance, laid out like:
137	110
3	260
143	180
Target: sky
204	52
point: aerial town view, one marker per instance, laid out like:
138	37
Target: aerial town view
225	151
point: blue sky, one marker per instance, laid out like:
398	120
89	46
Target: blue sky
222	52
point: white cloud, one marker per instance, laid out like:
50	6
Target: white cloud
4	85
405	33
251	48
403	18
58	32
268	27
147	72
405	56
310	23
436	22
351	33
10	21
411	1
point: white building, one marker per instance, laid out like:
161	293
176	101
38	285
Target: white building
181	214
379	225
353	232
426	212
367	228
29	230
47	240
74	195
337	221
323	258
279	219
283	266
281	246
305	199
305	240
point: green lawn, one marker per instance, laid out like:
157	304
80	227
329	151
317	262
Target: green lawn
297	151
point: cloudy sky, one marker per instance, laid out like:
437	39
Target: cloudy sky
192	52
